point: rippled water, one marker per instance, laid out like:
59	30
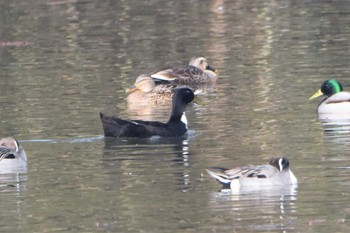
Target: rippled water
62	62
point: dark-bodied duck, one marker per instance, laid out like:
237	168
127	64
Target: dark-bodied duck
13	158
146	92
276	173
336	102
113	126
197	72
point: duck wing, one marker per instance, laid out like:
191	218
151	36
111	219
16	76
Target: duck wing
180	74
339	97
116	127
4	152
225	176
113	126
262	171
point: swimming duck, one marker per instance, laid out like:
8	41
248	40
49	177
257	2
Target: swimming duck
277	172
197	72
113	126
337	100
146	92
13	158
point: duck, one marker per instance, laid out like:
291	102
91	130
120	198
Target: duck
13	158
197	72
145	92
276	173
337	101
113	126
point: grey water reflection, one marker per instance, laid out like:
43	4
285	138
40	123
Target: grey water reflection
273	209
119	153
336	131
13	209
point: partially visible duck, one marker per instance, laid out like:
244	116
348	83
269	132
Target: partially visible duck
276	173
197	72
113	126
13	158
146	92
337	101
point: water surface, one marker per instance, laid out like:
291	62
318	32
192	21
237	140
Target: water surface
62	62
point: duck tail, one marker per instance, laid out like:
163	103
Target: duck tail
110	125
222	178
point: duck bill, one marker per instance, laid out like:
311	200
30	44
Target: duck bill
317	94
212	69
131	89
198	101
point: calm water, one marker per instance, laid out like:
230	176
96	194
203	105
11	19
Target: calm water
64	61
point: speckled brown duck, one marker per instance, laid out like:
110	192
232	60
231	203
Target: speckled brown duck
197	72
146	93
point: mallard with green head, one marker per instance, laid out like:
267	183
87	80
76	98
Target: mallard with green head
337	101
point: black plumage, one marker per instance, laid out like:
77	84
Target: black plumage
113	126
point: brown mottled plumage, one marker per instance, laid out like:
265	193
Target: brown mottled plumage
147	93
197	72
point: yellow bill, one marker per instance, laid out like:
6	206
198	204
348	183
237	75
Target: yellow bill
198	101
317	94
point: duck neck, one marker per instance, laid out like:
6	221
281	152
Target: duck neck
177	111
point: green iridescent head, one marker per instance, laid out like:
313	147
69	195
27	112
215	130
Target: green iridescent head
328	88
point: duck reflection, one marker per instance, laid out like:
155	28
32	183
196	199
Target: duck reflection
267	209
13	181
146	155
336	130
145	172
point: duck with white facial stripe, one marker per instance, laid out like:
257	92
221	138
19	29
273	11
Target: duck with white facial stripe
276	173
13	158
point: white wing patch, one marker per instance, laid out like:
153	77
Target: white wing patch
133	122
184	119
162	77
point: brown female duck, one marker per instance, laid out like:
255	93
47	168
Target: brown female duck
146	93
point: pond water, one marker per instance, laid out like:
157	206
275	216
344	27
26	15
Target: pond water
64	61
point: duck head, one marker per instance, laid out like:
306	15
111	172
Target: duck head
281	163
201	63
143	83
328	88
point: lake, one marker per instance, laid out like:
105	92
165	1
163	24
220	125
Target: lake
64	61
